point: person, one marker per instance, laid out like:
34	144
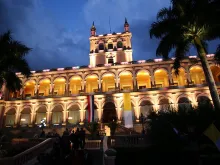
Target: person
72	139
77	140
82	138
66	132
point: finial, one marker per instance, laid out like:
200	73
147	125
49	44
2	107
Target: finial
93	23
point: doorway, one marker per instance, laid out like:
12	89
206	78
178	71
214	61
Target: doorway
109	112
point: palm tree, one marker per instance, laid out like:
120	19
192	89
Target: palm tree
12	60
184	24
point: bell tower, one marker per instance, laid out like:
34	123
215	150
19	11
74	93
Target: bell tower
112	49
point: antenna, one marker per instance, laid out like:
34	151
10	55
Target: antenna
110	25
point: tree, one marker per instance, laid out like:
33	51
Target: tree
12	60
184	24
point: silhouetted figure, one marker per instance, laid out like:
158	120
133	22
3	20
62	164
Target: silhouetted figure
65	143
77	140
42	135
66	132
82	135
72	139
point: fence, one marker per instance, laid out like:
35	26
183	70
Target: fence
130	141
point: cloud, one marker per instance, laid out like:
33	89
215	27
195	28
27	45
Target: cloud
53	45
59	35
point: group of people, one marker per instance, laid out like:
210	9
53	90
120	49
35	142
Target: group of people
75	137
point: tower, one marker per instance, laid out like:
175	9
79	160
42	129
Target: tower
126	25
93	30
113	48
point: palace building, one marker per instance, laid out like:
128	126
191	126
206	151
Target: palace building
60	95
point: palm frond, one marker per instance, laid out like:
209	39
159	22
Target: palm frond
217	54
182	47
13	83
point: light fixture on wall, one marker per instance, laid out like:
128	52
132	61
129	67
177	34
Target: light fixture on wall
70	118
23	119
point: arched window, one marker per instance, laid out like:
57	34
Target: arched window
101	46
110	46
119	44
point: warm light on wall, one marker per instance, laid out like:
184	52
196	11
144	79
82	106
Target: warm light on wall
60	69
23	119
75	67
141	61
158	60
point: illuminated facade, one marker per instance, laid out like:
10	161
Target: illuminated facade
60	95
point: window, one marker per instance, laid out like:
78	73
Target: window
101	46
110	61
119	44
110	46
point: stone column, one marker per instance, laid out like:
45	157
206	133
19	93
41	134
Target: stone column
49	117
188	75
119	114
33	118
100	111
2	112
17	117
170	76
64	117
134	83
82	116
83	85
152	79
137	113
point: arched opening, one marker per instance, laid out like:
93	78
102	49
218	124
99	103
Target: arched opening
91	83
41	114
25	116
59	86
110	46
126	82
143	80
161	78
108	82
109	112
119	44
197	75
180	79
164	105
75	85
10	117
74	114
184	104
216	73
204	101
101	46
57	115
146	107
44	88
29	89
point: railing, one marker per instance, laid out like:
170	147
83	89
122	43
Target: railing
27	155
130	141
93	144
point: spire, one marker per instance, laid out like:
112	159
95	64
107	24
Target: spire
126	25
93	26
93	29
126	21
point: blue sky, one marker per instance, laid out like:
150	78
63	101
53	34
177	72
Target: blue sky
58	30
